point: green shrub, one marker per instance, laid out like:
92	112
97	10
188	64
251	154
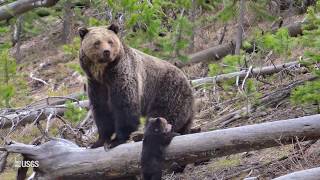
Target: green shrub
74	113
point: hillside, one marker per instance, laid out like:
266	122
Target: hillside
47	66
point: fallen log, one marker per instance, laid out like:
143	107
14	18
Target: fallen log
28	115
309	174
60	158
218	52
255	72
56	100
211	54
10	10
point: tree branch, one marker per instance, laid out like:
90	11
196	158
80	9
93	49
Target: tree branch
254	72
10	10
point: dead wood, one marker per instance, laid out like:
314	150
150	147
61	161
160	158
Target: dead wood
269	100
20	117
63	159
3	160
15	8
218	52
254	72
240	27
309	174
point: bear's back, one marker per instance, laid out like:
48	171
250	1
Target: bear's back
163	86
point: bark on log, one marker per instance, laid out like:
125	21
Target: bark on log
3	160
10	10
29	115
63	159
309	174
211	54
256	71
56	100
218	52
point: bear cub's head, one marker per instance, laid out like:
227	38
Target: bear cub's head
100	44
157	126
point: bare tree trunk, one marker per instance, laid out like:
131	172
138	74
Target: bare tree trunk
240	27
308	174
67	22
16	37
62	159
192	19
15	8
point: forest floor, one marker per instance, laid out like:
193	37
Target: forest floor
44	58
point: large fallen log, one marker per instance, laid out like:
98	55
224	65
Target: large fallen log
254	72
10	10
309	174
62	159
218	52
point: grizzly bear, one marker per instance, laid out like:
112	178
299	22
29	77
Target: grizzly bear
124	84
157	136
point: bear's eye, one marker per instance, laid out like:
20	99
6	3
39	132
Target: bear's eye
110	42
97	43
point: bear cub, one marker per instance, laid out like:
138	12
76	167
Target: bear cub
157	136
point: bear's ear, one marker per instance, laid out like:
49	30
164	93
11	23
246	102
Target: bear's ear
115	28
82	32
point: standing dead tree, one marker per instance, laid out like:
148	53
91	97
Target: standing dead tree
63	159
240	27
67	22
15	8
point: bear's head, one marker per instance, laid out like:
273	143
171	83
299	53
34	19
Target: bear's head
157	125
101	44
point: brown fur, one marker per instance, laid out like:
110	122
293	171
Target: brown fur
157	136
94	52
130	84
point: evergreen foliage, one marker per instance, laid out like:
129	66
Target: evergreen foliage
12	85
310	92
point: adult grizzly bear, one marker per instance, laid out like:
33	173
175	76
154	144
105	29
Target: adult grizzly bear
124	84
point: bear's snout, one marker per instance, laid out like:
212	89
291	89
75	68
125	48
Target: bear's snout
106	54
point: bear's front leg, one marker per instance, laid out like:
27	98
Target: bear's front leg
126	122
102	115
126	111
105	124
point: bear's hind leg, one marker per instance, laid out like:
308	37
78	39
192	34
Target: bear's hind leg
124	130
